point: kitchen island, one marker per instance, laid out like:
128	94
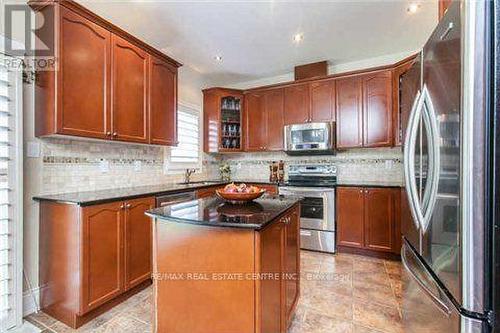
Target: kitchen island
220	267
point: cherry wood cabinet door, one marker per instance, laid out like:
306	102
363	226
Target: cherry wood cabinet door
377	109
256	122
129	91
297	104
292	262
84	107
272	247
275	119
138	241
350	216
102	254
349	112
162	103
379	219
323	101
442	7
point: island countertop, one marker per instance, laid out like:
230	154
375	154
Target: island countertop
213	211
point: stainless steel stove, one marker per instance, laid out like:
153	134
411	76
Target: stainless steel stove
316	184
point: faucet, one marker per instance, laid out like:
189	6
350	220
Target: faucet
187	175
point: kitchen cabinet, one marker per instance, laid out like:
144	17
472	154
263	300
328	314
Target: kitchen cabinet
406	84
264	120
223	120
368	218
102	254
442	7
260	292
84	67
322	101
377	109
138	256
296	101
274	108
349	112
162	102
92	257
207	192
102	88
256	122
129	91
364	110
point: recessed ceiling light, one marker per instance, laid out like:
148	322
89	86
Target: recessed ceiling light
297	38
218	58
413	8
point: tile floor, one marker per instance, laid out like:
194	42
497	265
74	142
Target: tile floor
340	293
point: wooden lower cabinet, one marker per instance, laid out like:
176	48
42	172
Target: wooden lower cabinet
263	300
368	218
92	257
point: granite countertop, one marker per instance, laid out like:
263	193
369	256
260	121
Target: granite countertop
88	198
213	211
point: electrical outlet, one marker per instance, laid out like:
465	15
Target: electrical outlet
104	166
33	149
137	165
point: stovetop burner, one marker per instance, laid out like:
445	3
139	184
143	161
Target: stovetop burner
309	175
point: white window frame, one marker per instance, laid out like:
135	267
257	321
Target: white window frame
179	168
16	178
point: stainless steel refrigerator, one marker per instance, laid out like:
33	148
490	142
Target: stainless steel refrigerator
447	250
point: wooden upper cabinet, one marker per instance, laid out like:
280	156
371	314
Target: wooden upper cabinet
297	104
405	85
256	122
101	89
350	216
138	256
211	121
322	101
442	7
84	74
379	219
274	106
129	91
102	254
377	109
162	102
349	112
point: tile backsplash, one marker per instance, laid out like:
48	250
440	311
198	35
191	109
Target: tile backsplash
74	165
356	165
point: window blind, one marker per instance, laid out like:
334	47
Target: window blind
10	194
187	152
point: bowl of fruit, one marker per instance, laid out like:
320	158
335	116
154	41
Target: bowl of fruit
240	193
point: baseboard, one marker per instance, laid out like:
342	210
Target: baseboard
29	305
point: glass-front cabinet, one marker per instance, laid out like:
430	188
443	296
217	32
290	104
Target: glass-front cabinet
223	117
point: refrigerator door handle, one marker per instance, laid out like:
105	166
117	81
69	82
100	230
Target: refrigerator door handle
409	161
440	304
431	191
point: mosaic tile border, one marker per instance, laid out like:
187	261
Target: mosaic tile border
90	160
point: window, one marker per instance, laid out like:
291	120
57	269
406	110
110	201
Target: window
187	153
11	189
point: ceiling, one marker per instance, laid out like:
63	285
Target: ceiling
255	39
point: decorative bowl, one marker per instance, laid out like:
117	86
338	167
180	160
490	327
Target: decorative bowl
235	197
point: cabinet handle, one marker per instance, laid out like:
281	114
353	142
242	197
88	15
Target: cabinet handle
122	206
360	191
128	205
115	134
108	133
366	191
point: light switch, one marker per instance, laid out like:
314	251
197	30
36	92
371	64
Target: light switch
33	149
104	166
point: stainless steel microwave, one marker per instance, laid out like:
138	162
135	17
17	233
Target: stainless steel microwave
310	139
